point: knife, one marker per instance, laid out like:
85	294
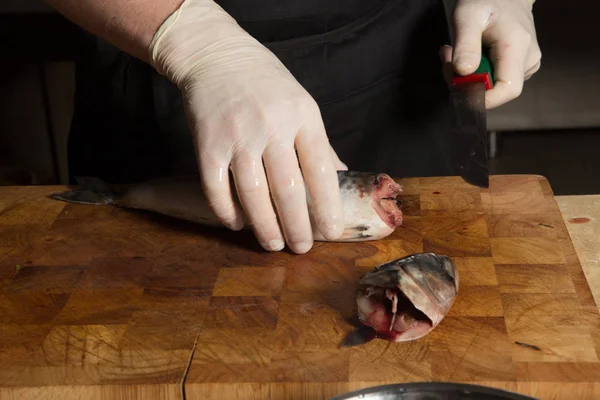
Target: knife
470	123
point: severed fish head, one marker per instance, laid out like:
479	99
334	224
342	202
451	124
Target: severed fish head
370	205
405	299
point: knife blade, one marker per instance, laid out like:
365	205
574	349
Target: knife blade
470	123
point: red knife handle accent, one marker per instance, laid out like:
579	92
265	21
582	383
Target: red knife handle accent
483	73
473	78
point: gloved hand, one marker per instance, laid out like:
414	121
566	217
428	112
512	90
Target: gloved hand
244	107
507	27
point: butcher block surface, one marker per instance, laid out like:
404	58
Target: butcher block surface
100	302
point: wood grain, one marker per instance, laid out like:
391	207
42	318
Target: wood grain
99	302
582	215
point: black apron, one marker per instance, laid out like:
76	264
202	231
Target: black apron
372	66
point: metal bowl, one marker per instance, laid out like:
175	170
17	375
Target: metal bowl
431	391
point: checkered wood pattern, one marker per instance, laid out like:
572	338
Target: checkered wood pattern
108	303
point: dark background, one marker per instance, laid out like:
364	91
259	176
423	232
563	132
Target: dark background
553	129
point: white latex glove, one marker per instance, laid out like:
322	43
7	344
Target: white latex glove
507	27
244	107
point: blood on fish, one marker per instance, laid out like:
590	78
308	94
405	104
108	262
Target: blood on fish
385	192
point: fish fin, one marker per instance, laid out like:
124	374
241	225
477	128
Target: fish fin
360	336
90	190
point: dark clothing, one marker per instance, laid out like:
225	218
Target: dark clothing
372	66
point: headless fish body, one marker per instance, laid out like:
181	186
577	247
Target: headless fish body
370	207
405	299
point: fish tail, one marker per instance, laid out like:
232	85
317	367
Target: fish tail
90	190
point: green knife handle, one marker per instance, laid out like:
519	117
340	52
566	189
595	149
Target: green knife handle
483	73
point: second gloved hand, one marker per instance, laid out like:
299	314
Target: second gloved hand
245	108
507	27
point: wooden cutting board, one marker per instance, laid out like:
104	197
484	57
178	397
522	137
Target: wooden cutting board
99	302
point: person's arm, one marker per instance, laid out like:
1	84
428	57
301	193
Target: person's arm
248	115
127	24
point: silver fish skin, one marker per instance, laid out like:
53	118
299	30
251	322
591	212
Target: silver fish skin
405	299
371	209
